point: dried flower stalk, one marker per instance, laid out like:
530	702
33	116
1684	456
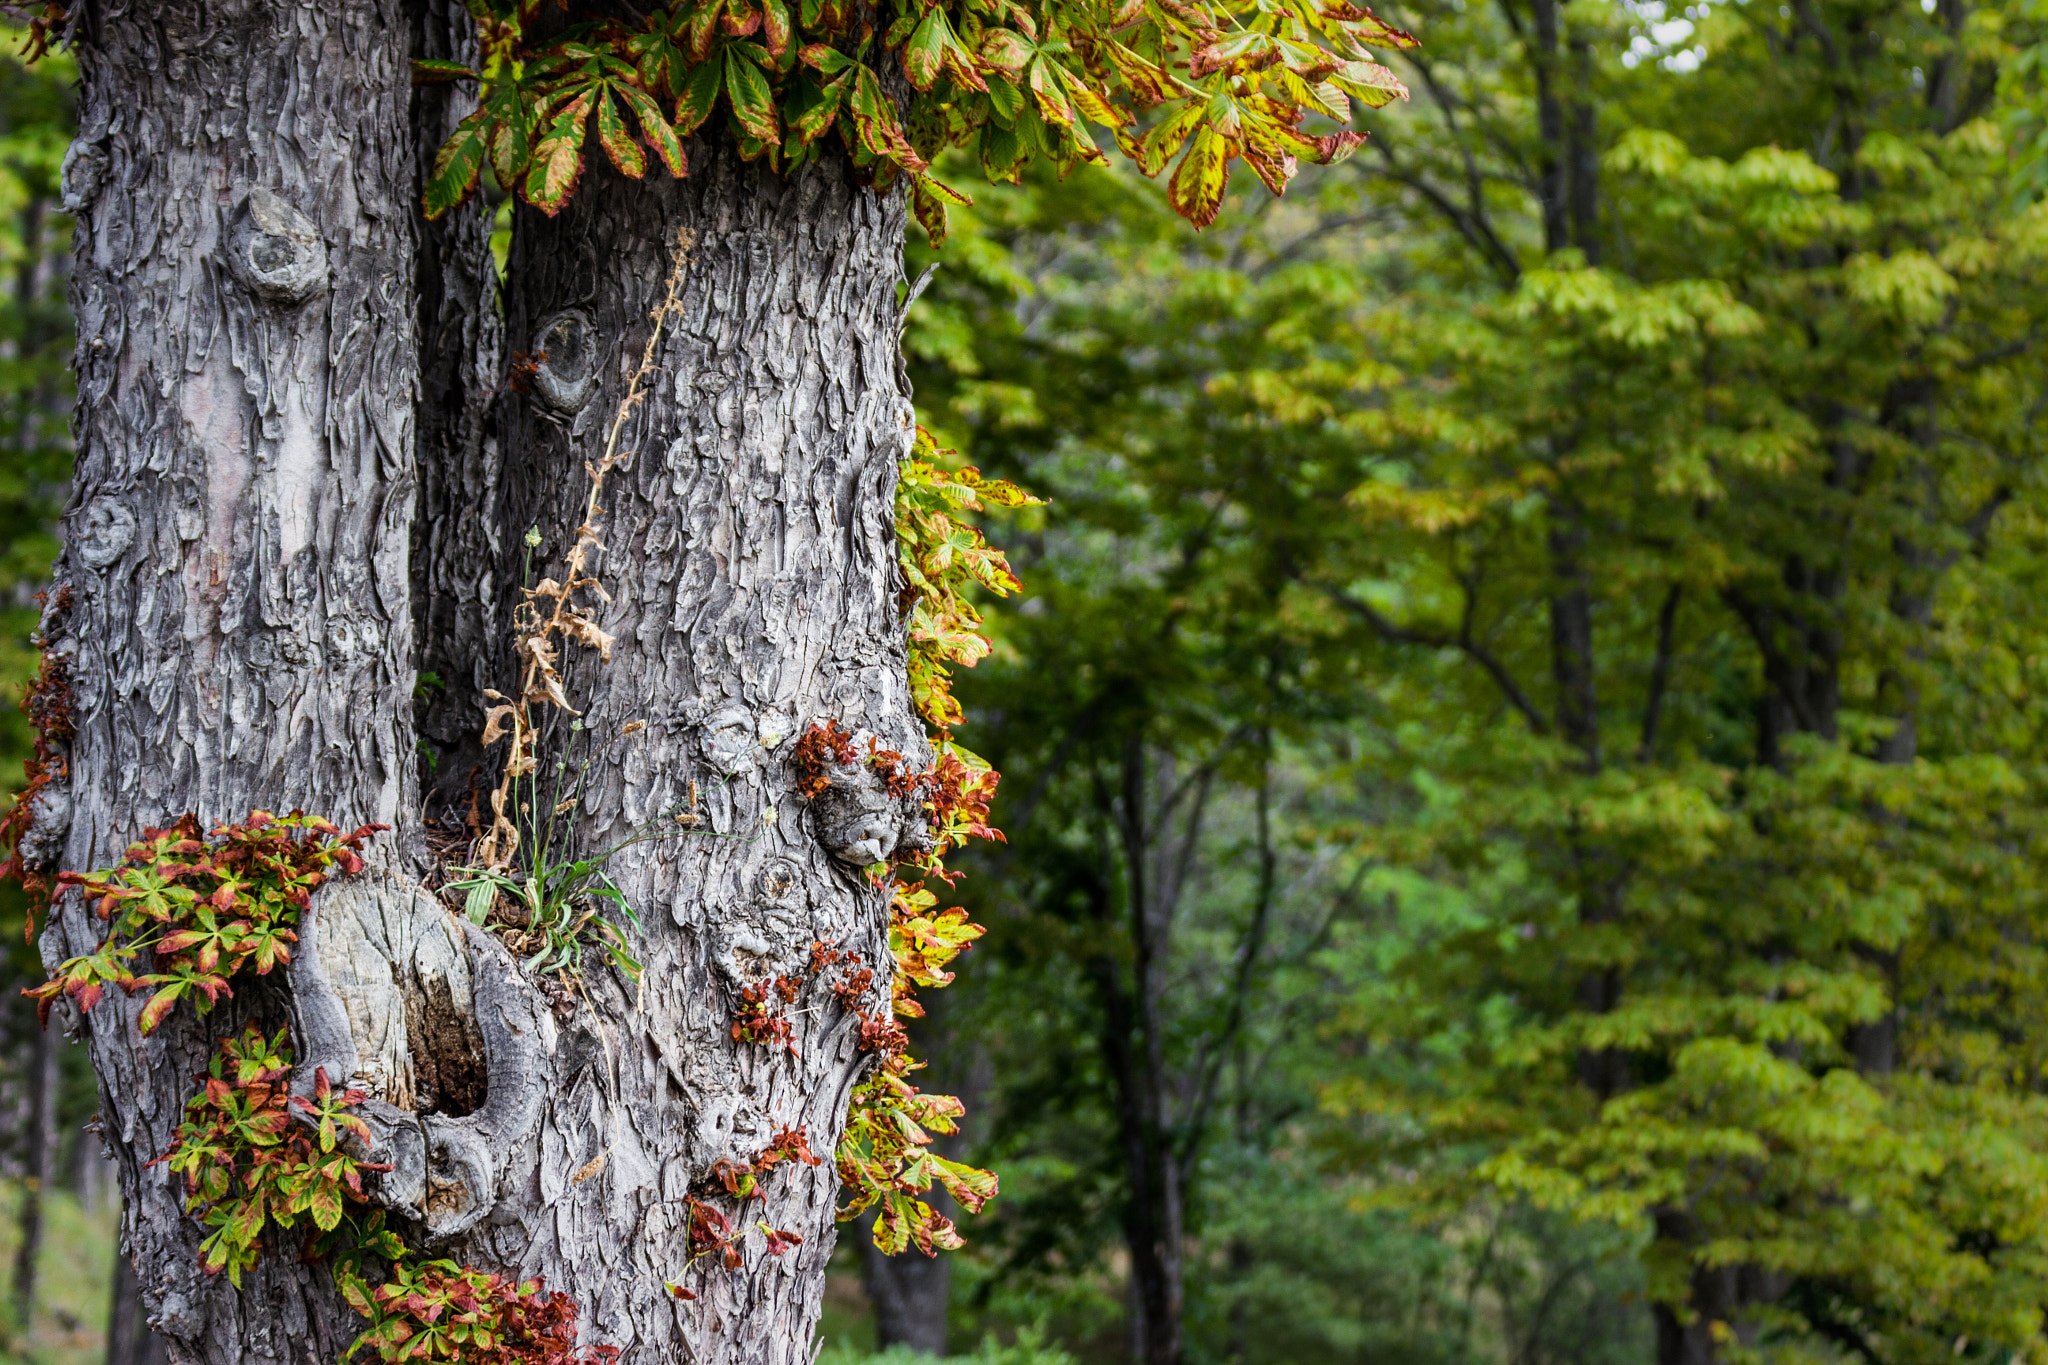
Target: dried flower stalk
550	618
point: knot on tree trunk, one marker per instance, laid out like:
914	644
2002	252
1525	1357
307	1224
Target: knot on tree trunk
860	820
276	251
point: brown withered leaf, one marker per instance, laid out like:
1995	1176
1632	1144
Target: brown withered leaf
586	631
497	723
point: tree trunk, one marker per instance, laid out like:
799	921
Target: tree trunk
39	1173
909	1293
750	564
461	538
232	603
129	1340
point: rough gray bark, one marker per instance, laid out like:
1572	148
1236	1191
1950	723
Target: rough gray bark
233	601
461	537
236	609
751	565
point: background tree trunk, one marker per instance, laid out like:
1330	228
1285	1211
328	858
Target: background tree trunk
232	603
129	1340
751	563
39	1176
909	1292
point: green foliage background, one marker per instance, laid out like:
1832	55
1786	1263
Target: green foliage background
1524	721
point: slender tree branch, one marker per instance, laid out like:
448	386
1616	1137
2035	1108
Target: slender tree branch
1462	641
1660	674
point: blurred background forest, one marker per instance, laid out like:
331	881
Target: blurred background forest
1523	733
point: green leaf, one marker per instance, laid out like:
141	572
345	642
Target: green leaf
929	198
753	106
1196	190
483	892
656	129
617	143
558	160
700	96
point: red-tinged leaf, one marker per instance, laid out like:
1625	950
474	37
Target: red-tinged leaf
824	58
1228	49
924	55
1274	170
753	105
874	116
704	29
437	73
1092	105
929	199
1336	146
656	129
741	20
1167	137
326	1208
814	117
970	1185
159	1007
1370	82
1196	190
352	1291
558	160
775	27
457	168
619	145
700	96
1365	26
677	1291
1006	50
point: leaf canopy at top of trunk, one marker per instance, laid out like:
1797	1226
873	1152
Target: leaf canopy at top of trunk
1207	81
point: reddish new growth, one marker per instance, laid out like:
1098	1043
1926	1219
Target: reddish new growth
712	1232
519	376
48	704
823	748
851	990
248	1167
955	793
756	1018
205	904
442	1311
879	1033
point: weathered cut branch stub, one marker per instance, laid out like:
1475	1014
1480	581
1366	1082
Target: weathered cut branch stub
389	986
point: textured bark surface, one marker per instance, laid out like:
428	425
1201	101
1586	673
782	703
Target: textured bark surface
751	564
236	607
461	537
232	601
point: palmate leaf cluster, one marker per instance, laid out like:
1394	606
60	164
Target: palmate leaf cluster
206	904
438	1310
250	1166
885	1159
1203	81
